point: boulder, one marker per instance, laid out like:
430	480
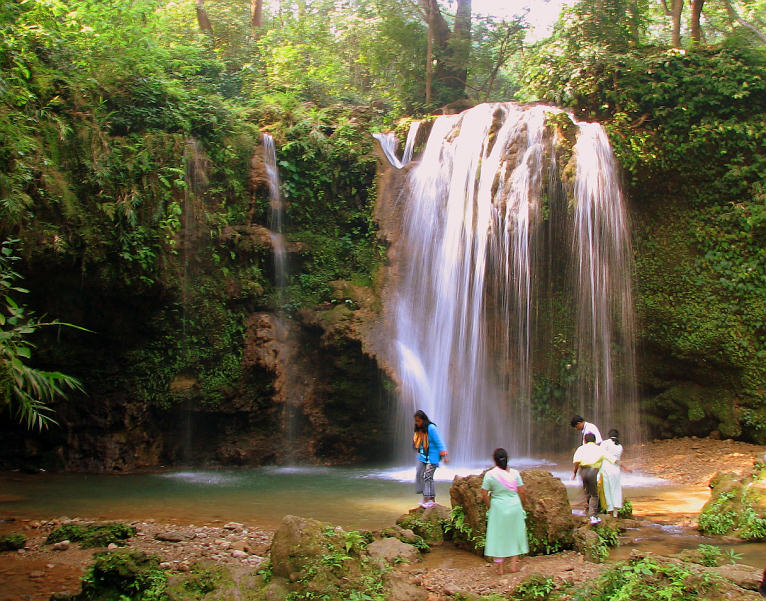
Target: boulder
469	528
588	543
427	523
549	514
737	505
743	576
403	534
297	543
389	550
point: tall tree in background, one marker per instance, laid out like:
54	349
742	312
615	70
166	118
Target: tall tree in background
256	15
448	51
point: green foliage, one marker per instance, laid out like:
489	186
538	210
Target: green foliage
718	518
710	555
626	512
12	541
26	391
92	535
534	587
647	580
122	575
458	528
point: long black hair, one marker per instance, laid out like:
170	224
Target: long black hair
614	435
426	422
501	458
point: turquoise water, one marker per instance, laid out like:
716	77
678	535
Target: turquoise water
351	497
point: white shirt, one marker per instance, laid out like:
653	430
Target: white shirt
611	450
588	455
589	428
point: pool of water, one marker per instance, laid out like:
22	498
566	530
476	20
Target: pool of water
371	497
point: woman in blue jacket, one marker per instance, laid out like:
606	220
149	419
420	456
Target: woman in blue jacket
430	449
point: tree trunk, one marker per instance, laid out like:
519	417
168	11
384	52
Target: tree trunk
677	9
202	18
696	16
256	14
429	56
734	16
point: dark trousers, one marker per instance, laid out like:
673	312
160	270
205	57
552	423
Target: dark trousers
589	477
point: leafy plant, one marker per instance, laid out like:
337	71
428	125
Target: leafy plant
25	390
710	555
534	587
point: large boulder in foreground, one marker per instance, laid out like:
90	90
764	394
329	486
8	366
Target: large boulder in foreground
737	505
314	560
297	543
550	527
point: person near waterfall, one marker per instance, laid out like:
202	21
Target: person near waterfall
588	459
578	423
502	491
431	450
610	473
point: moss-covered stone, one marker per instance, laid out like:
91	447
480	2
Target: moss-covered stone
92	535
737	505
125	574
12	541
429	523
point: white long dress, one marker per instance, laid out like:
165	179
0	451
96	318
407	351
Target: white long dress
611	474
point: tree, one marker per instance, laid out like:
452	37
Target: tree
202	19
256	14
24	390
448	51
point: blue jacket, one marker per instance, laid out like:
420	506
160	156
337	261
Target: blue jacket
435	447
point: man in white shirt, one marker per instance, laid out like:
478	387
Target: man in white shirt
579	423
587	459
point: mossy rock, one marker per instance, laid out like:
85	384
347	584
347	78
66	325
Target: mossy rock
429	523
12	541
124	574
315	560
594	542
92	535
737	505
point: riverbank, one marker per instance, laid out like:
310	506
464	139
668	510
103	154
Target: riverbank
666	519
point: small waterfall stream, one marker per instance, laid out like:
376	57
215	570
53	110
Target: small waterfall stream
276	218
509	267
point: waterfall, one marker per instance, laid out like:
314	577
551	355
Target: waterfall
388	144
276	218
505	273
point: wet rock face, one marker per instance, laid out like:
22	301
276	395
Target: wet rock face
466	493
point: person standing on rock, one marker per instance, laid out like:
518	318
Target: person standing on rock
578	423
610	473
502	491
587	459
431	450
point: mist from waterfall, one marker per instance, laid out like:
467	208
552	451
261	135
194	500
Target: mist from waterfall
508	268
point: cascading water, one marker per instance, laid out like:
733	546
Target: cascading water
503	276
276	217
388	144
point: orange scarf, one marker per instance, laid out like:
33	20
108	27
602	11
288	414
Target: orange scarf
421	439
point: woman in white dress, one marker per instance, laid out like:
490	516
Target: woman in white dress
610	473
